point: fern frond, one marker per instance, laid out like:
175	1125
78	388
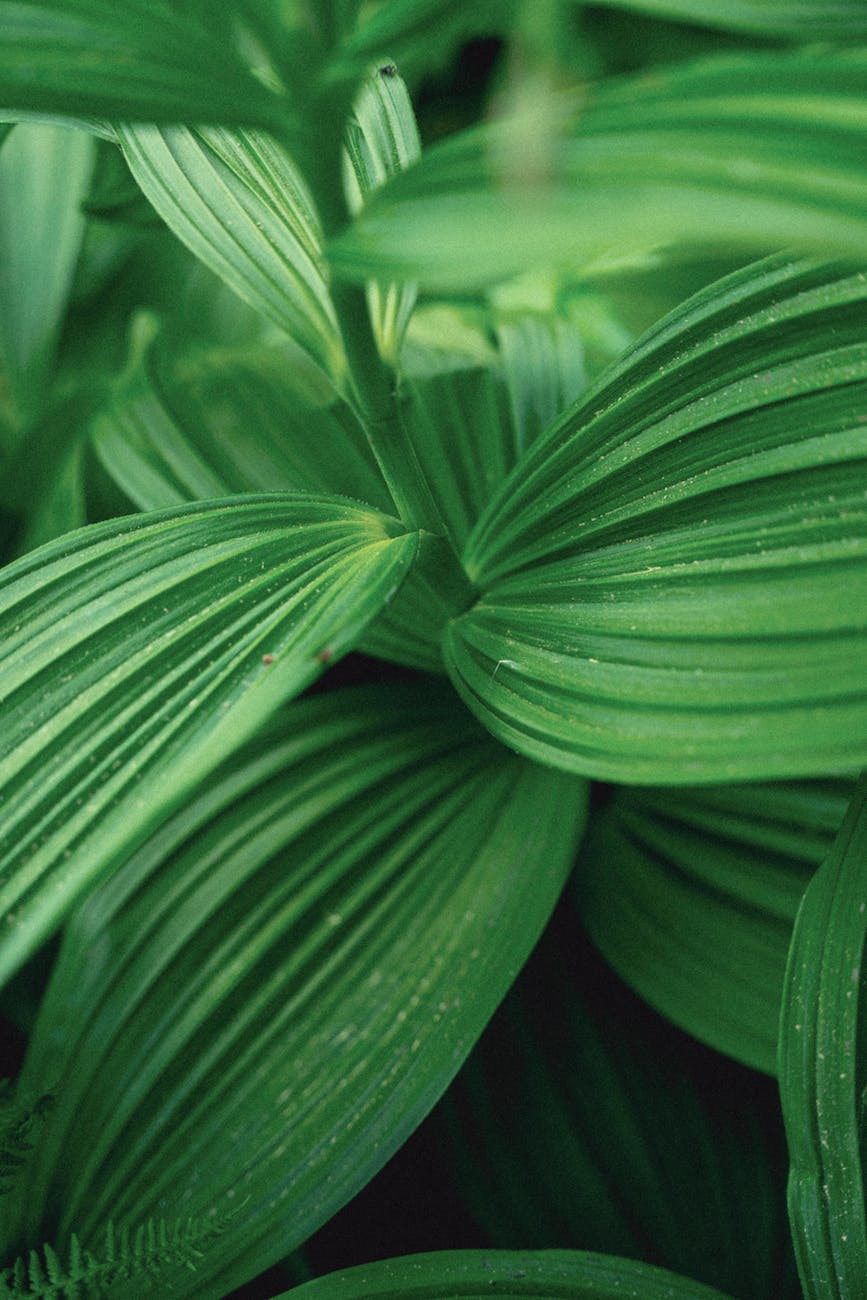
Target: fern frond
17	1126
131	1263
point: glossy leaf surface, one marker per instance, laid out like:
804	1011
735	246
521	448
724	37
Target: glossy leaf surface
264	1000
675	574
822	1069
474	1275
147	60
749	152
238	202
669	876
138	653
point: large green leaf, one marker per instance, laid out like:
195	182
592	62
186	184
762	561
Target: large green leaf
747	152
263	1001
675	574
147	60
478	1274
44	175
800	19
583	1121
137	654
822	1069
238	201
668	876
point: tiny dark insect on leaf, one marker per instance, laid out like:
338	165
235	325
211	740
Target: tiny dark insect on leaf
388	70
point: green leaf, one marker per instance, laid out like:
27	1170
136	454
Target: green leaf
419	34
227	419
137	654
748	152
239	203
145	61
381	139
44	175
799	19
476	1274
675	574
262	1002
822	1069
720	869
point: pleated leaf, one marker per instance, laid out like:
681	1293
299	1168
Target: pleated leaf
800	19
138	653
675	574
582	1121
381	140
148	60
239	203
822	1069
44	175
748	152
718	869
477	1274
264	1000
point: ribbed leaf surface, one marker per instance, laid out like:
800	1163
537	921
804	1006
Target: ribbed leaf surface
799	19
822	1069
720	869
477	1274
239	203
147	60
675	575
747	152
137	654
263	1002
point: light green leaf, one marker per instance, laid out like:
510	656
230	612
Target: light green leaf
381	139
822	1069
800	19
668	876
137	654
239	203
146	60
44	175
227	419
476	1274
675	574
263	1001
748	152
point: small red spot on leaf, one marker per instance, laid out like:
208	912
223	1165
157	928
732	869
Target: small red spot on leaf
267	659
325	656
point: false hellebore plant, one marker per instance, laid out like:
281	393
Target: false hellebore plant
524	415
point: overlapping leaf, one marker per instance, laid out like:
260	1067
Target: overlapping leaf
747	152
137	654
476	1274
800	19
718	869
822	1069
44	174
149	60
419	34
675	575
238	201
263	1002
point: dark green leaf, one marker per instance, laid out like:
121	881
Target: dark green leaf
748	153
675	574
668	877
822	1069
420	34
146	60
137	654
478	1274
262	1002
801	19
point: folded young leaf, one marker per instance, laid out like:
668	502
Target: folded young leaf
822	1069
147	60
260	1005
747	152
44	175
667	877
675	575
137	654
799	19
477	1274
239	203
